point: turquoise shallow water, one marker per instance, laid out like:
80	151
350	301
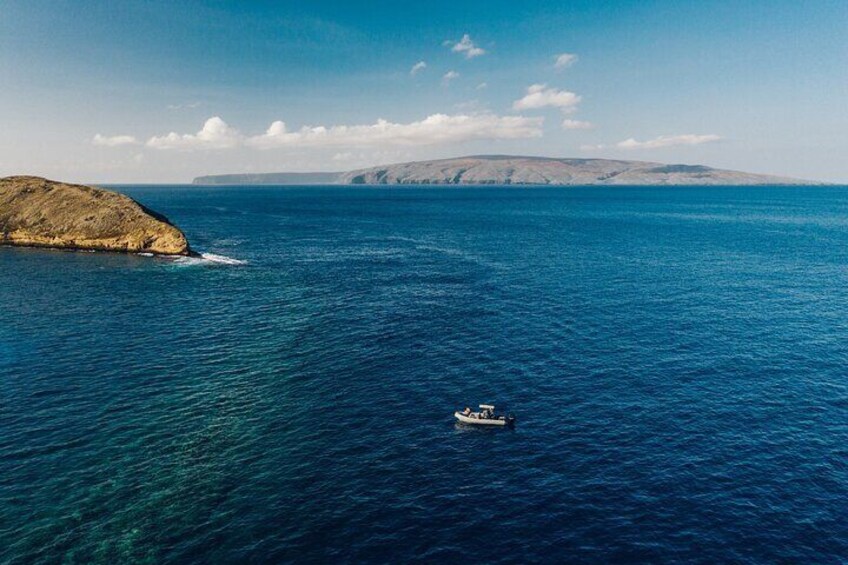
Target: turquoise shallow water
676	358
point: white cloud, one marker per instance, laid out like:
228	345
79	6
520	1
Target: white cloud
539	96
564	60
449	76
472	107
657	142
576	124
466	47
419	66
114	141
667	141
434	129
181	106
482	85
215	134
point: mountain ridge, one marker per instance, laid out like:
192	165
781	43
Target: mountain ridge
519	170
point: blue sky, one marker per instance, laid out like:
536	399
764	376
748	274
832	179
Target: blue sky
136	91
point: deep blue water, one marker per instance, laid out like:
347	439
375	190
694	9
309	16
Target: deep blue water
677	359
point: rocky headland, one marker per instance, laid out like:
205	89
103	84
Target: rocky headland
36	212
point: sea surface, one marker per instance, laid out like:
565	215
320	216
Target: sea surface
677	359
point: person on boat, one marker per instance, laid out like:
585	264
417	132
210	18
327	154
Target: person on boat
467	411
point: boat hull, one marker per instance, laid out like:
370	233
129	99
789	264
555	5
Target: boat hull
479	421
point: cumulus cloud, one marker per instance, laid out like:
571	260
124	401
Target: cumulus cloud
482	85
657	142
434	129
114	141
540	96
466	47
419	66
215	134
564	60
449	76
576	124
667	141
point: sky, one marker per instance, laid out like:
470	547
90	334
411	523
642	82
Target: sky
159	92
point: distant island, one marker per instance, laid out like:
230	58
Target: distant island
36	212
516	170
271	178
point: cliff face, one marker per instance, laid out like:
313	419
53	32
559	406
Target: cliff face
504	169
37	212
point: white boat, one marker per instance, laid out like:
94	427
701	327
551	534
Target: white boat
485	417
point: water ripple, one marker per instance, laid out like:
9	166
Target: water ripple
675	357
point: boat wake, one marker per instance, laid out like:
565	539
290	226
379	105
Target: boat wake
208	259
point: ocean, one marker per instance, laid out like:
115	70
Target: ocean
676	359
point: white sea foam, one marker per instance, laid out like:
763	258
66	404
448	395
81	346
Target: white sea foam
224	260
208	259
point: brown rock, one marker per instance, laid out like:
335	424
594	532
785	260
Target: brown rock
37	212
